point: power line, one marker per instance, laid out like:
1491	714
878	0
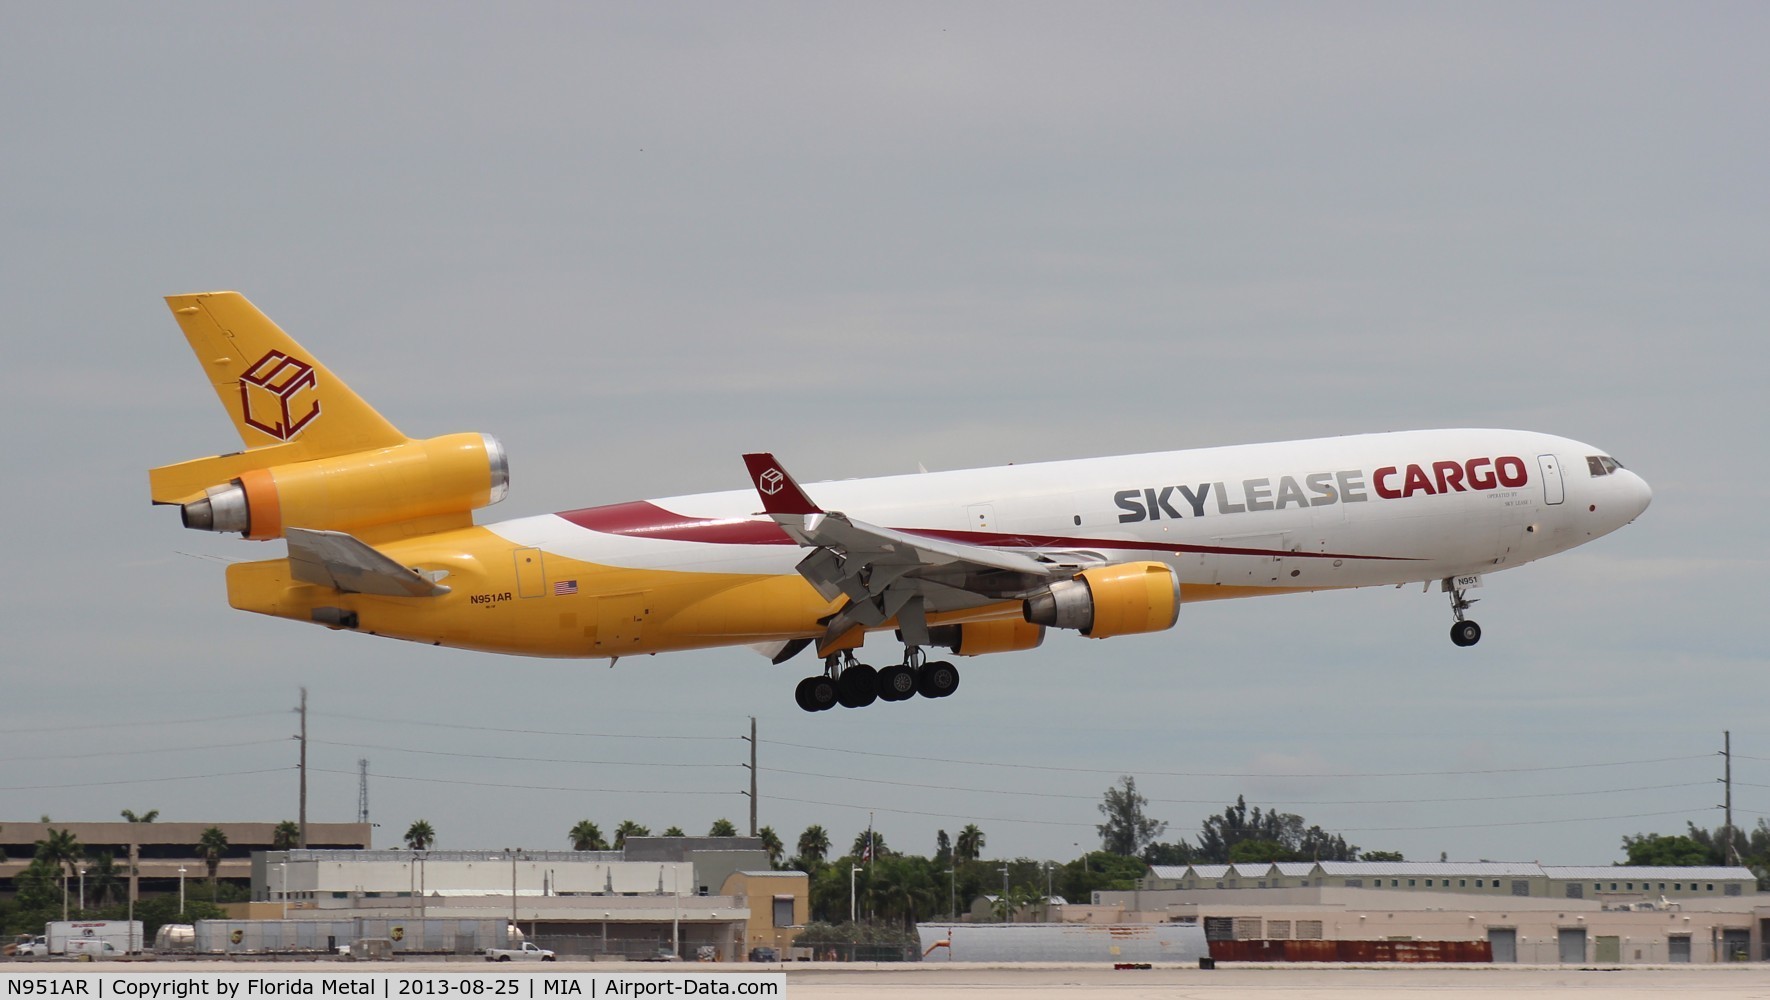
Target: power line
119	725
131	753
527	760
520	732
1217	801
531	788
1241	774
1522	822
143	781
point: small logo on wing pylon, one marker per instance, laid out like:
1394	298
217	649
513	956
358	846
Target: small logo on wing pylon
278	379
770	482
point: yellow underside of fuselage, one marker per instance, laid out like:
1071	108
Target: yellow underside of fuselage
534	603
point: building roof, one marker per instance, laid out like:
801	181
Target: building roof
1295	869
1356	869
773	874
1666	872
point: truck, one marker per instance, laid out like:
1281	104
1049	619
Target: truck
527	952
65	936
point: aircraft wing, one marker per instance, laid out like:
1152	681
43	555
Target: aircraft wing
886	573
343	562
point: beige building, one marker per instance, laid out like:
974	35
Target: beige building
166	853
1525	912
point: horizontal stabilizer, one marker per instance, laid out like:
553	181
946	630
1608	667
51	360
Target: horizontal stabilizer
340	561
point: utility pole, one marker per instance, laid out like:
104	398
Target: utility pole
362	790
1728	854
753	776
301	840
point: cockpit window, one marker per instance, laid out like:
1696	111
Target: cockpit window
1602	465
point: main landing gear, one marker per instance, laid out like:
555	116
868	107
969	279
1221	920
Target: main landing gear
852	684
1464	632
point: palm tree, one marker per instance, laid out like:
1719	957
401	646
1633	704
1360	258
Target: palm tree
674	831
420	835
285	836
103	879
866	838
771	842
213	846
722	828
587	836
61	849
969	846
629	828
146	817
814	844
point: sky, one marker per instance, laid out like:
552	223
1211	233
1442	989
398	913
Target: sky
636	241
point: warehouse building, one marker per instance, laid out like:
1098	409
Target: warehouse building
1523	912
687	896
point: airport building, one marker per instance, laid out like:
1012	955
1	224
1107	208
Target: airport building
688	896
1523	912
164	854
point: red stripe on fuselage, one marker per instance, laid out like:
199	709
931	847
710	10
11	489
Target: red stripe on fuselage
644	519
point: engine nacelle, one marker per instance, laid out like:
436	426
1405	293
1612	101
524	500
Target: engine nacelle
1110	600
978	638
452	474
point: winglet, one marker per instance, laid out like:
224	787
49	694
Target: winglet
780	494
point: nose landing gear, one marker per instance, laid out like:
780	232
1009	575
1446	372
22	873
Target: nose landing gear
1464	632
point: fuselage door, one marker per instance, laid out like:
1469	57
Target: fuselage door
1554	491
529	578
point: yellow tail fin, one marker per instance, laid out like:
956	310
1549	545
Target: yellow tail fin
286	406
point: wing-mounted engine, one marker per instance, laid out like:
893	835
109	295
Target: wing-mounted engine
450	475
1123	599
977	638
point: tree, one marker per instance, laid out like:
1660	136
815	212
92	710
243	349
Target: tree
1127	830
586	836
943	850
420	835
814	844
102	881
62	850
1676	852
771	842
286	835
969	846
146	817
722	828
1381	856
629	828
674	831
212	845
869	843
1219	836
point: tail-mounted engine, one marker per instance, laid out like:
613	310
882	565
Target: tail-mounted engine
452	474
1110	600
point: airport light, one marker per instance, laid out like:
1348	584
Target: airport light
181	890
283	873
852	871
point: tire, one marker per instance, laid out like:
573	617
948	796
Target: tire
858	686
937	680
822	694
897	683
802	695
503	958
1465	633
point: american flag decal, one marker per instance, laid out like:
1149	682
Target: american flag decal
565	588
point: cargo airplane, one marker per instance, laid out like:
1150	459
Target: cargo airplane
381	537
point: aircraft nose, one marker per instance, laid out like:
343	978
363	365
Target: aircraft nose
1638	493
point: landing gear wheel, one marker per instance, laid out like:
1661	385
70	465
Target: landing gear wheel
1465	633
858	686
897	683
814	694
937	679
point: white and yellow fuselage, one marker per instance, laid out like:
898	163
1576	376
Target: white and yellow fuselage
713	570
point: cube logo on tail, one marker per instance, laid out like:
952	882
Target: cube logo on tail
770	482
275	381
